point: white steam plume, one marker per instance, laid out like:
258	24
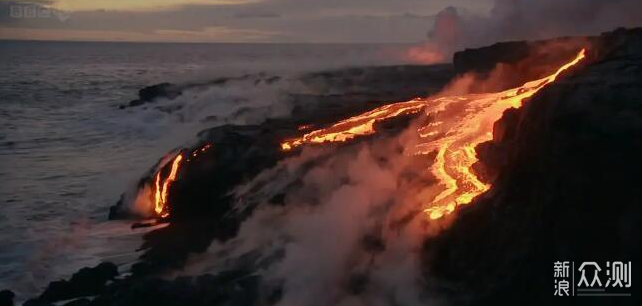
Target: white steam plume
511	20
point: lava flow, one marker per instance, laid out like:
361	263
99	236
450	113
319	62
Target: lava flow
454	136
160	194
161	186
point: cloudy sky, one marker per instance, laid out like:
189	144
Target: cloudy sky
226	20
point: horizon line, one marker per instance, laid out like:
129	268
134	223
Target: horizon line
207	42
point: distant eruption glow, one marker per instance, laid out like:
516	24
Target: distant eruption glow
454	137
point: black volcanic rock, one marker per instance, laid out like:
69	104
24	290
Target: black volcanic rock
85	282
546	53
6	298
151	93
200	203
78	302
234	287
515	63
160	90
486	58
567	188
200	209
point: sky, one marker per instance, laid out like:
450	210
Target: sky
313	21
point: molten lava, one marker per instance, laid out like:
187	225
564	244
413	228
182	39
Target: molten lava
161	186
356	126
469	122
160	196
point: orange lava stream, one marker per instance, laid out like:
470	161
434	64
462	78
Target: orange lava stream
355	126
160	197
453	135
161	186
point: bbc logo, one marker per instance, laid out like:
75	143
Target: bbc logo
29	11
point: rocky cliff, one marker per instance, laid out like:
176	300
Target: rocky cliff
566	189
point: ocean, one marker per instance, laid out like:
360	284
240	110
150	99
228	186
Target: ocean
67	151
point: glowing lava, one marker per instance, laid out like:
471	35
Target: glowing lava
160	196
356	126
453	135
161	186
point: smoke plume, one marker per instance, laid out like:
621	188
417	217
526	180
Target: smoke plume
510	20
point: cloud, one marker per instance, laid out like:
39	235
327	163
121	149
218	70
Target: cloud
522	19
221	34
257	14
474	22
128	5
294	20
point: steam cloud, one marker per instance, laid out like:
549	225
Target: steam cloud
349	228
523	19
339	238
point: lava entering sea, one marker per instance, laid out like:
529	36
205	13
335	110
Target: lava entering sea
161	183
453	136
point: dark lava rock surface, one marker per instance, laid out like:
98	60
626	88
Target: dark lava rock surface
6	298
567	187
85	282
201	205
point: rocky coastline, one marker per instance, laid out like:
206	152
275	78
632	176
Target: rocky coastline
563	172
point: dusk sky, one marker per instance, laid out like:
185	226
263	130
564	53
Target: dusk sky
227	20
